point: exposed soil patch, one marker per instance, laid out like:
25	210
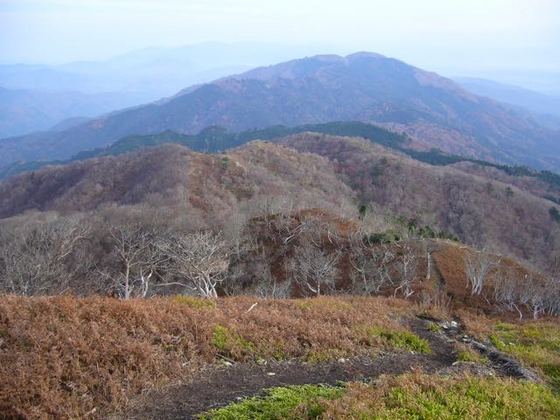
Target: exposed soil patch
219	386
443	348
504	364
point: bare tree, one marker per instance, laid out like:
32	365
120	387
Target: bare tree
407	265
531	294
138	258
370	266
36	258
314	269
539	295
478	265
552	297
199	261
269	287
506	290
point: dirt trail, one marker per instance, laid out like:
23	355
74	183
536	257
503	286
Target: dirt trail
220	386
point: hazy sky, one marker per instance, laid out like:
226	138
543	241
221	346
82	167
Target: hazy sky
437	34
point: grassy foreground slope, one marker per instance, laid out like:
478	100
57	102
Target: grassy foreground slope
408	396
66	357
419	395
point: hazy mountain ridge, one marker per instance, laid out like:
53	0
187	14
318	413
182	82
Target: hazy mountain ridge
365	87
34	97
152	71
26	111
515	95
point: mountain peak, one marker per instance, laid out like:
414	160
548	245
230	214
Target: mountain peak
365	54
309	66
364	86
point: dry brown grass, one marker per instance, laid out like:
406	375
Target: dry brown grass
65	357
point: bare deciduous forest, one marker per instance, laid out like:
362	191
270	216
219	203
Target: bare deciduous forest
267	220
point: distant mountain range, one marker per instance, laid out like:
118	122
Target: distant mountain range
433	111
36	97
26	111
515	95
154	72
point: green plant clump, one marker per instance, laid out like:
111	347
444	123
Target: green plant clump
405	340
469	355
194	302
535	344
230	344
472	398
302	402
412	396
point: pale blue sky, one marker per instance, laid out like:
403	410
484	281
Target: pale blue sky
436	34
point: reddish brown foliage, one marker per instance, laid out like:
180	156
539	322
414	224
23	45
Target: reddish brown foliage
450	264
64	357
484	211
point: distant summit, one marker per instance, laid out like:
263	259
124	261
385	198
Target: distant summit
368	87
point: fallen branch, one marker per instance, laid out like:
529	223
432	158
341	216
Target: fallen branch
252	307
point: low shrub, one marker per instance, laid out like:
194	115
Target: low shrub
231	344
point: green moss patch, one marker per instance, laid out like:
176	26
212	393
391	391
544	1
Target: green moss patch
230	344
537	344
410	396
194	302
466	354
472	398
302	402
405	340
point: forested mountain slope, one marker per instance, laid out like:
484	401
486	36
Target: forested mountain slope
352	174
433	110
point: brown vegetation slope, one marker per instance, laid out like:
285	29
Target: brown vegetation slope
173	176
532	184
289	255
66	357
481	211
480	208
